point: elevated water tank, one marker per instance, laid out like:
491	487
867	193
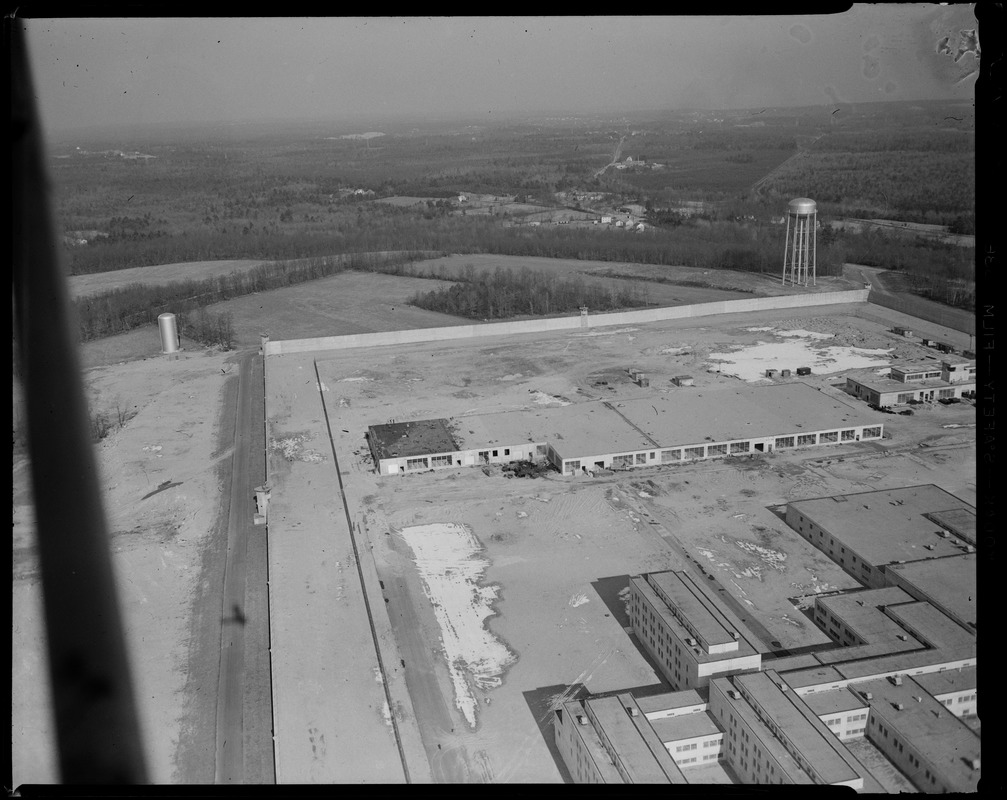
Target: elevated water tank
168	328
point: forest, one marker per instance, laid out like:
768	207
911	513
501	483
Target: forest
304	194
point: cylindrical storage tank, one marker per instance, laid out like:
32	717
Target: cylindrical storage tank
803	205
169	333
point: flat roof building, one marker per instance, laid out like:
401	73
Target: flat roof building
920	382
948	583
868	531
688	631
631	433
930	745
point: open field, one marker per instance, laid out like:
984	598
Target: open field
554	555
166	558
84	285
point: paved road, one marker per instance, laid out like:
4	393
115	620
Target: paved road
615	158
243	590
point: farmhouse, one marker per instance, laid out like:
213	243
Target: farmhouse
914	383
639	432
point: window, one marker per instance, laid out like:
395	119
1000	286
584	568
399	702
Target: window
572	466
871	433
416	463
641	458
440	461
740	447
830	436
507	451
848	436
785	441
653	456
695	452
716	450
943	394
622	462
671	455
806	439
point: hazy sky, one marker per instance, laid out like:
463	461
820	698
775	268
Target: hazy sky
155	71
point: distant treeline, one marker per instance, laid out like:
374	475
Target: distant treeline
508	293
136	305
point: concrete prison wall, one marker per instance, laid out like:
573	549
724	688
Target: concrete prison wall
282	347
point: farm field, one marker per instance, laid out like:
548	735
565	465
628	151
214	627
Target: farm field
161	274
552	556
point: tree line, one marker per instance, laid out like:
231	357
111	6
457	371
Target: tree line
508	293
136	305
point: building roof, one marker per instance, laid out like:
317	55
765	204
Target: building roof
592	741
816	744
949	680
949	583
861	611
668	701
939	736
881	385
407	439
756	723
933	627
685	726
868	669
918	366
960	521
642	756
886	526
697	614
736	413
811	676
833	701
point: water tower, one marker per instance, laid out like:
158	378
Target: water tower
799	255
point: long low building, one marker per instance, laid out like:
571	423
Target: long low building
670	428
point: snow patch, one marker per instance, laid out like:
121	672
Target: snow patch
802	349
579	600
448	561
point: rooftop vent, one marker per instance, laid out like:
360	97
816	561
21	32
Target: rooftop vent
899	706
633	711
969	548
974	763
902	637
581	719
868	696
734	693
918	698
690	641
895	679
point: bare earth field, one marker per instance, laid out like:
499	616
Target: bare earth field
163	554
551	559
84	285
722	284
542	587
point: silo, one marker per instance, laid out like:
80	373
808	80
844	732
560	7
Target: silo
169	333
799	255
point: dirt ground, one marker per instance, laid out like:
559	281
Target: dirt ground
559	550
161	487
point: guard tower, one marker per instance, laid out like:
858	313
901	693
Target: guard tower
799	255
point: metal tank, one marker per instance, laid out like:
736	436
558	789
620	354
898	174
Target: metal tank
800	252
168	328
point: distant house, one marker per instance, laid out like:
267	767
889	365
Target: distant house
606	220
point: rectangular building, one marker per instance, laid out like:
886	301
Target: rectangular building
867	532
688	631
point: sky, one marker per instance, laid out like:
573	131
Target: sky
135	72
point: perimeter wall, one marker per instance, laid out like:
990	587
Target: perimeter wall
563	323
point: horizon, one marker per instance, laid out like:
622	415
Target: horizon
140	73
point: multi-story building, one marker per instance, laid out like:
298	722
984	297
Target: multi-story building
690	633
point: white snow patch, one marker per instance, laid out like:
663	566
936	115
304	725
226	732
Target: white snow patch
754	330
673	351
321	386
579	600
802	350
448	561
773	558
353	380
543	399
